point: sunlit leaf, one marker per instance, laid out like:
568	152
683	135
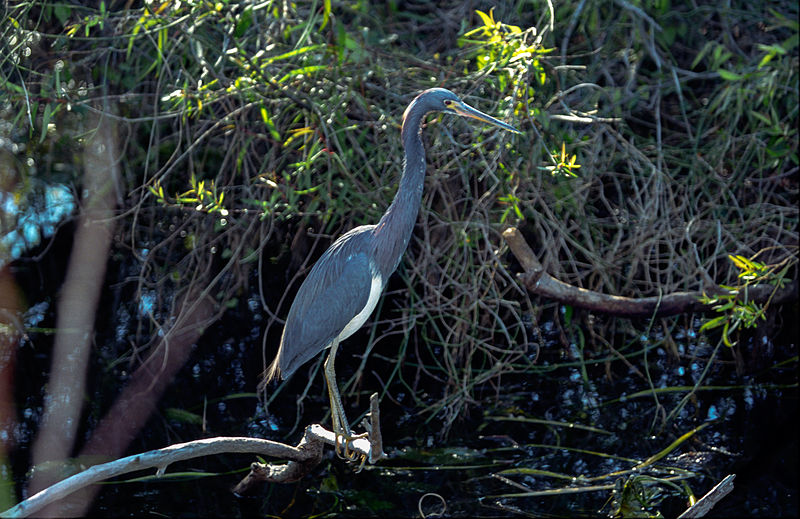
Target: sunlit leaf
713	323
486	18
243	23
740	261
298	132
728	75
293	53
270	125
326	13
725	331
301	71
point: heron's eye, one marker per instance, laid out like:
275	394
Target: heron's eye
448	102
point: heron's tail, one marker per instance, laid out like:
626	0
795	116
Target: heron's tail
273	372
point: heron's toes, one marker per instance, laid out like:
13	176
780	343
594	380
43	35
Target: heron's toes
361	465
343	449
352	455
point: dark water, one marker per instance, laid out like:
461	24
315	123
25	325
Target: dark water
578	419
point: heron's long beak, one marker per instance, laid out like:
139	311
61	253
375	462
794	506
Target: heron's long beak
465	110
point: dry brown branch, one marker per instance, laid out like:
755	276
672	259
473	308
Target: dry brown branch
539	282
302	458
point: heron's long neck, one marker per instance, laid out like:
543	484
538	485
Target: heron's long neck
396	225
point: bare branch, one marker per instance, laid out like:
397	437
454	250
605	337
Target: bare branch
159	459
364	448
539	282
302	458
707	502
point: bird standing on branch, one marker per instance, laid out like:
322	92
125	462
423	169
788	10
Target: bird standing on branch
343	287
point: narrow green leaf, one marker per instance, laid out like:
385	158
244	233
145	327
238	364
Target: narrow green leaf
672	446
725	331
270	125
303	70
12	86
243	23
182	415
293	53
772	49
700	55
761	117
713	323
766	59
740	261
728	75
726	306
48	112
326	14
136	29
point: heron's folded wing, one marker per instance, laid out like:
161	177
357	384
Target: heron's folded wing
335	291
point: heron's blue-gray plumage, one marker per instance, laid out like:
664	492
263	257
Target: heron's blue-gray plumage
336	289
340	291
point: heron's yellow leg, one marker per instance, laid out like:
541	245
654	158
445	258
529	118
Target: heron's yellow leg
341	427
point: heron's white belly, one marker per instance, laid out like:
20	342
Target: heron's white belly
358	321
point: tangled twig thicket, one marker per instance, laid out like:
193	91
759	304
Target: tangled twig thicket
252	135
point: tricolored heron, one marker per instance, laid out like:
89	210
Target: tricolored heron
343	287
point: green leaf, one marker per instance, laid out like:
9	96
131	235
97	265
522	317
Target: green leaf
296	52
772	49
700	55
761	117
270	125
303	70
727	306
568	310
136	29
728	75
713	323
766	59
11	86
792	41
244	23
326	13
725	338
741	262
182	415
48	112
486	18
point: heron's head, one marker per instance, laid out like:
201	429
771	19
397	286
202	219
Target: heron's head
443	100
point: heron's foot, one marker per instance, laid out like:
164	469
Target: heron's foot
343	449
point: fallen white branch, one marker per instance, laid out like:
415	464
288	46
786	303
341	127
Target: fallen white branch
302	458
158	459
